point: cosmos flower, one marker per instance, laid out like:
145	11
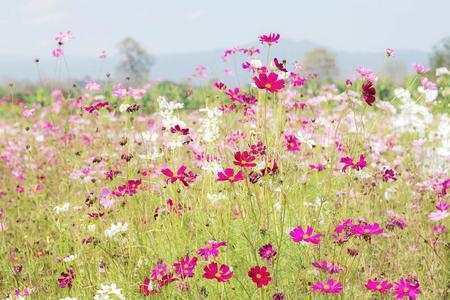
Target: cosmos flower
299	235
180	174
366	230
378	286
260	276
292	143
147	287
271	38
330	268
244	159
279	66
228	175
66	278
221	274
368	92
267	252
406	288
58	52
390	52
329	287
185	266
349	163
420	69
270	83
211	249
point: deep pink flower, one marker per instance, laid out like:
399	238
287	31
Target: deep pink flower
147	287
219	85
160	271
270	83
366	230
66	278
389	175
260	276
319	167
271	38
267	252
279	66
349	163
298	235
58	52
368	92
177	129
212	249
330	268
222	274
235	95
185	266
330	287
378	286
406	288
244	159
442	206
180	174
228	175
440	229
292	143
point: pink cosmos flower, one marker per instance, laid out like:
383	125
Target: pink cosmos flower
292	143
244	159
270	83
271	38
58	52
319	167
260	276
390	52
367	74
366	230
406	288
160	271
212	249
428	84
222	274
92	86
349	163
228	175
180	175
378	286
420	69
438	215
219	85
102	54
299	235
185	266
267	252
330	287
66	278
440	229
63	37
330	268
147	287
442	206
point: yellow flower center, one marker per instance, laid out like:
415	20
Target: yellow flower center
268	86
243	162
258	276
326	287
218	275
231	178
306	236
366	231
379	287
405	290
186	266
291	144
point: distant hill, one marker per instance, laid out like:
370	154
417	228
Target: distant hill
177	67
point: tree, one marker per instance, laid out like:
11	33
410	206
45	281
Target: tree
136	61
322	62
441	54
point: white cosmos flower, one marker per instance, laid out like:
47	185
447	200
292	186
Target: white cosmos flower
116	228
60	209
123	107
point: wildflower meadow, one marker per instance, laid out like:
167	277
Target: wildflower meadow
279	186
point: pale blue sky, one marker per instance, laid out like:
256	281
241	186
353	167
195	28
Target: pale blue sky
28	27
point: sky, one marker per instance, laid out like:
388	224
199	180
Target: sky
28	27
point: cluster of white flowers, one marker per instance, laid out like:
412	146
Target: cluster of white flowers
152	149
428	94
63	208
412	116
70	258
442	134
442	71
209	128
109	290
166	111
216	197
211	166
116	228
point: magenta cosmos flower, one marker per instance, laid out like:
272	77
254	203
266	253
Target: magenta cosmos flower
299	235
292	143
271	38
260	276
222	274
270	83
185	266
330	287
212	249
378	286
228	175
267	252
405	288
368	92
244	159
180	175
366	230
66	278
330	268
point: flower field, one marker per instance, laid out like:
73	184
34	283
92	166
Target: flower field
284	188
